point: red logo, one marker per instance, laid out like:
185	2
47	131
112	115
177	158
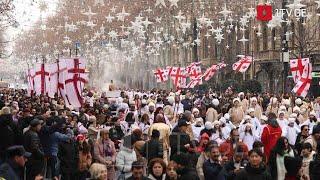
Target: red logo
264	12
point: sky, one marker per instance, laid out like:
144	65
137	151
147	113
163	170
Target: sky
27	12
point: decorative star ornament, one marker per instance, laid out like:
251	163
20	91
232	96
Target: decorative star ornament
179	17
109	18
91	24
149	10
113	9
99	2
160	2
89	13
225	12
219	37
296	5
146	23
158	19
174	3
202	20
122	15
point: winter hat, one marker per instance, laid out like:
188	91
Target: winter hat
143	101
208	125
312	113
215	102
296	108
240	94
298	101
223	120
216	123
171	99
199	121
250	110
264	118
273	100
286	102
194	110
227	116
291	120
282	108
281	112
293	115
151	104
254	99
247	117
235	99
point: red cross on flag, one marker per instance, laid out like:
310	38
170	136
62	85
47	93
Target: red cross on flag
41	79
194	70
297	66
210	72
194	82
30	78
75	79
303	84
243	64
178	77
57	72
161	75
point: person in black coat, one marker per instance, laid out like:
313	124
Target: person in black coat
212	167
68	155
179	139
314	166
153	148
255	170
13	167
35	164
9	134
184	171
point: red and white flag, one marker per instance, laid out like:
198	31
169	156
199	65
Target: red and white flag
41	79
76	77
243	64
297	66
169	70
161	75
57	72
210	72
30	78
221	65
178	75
303	84
194	82
194	71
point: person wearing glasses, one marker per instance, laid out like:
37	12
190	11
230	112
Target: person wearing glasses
302	136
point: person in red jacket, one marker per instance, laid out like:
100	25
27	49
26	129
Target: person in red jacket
229	146
270	134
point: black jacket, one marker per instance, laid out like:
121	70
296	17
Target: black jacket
211	170
228	170
188	174
68	155
250	173
187	104
11	171
152	149
177	141
9	134
314	168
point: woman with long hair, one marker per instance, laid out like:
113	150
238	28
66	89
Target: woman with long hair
248	137
85	157
157	169
276	160
105	152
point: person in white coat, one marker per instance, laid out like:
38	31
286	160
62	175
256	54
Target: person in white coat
125	157
283	123
248	137
291	131
254	121
311	121
225	129
197	126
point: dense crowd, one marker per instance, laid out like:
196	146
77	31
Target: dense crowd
160	135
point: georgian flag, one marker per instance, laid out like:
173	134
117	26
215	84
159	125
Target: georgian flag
243	64
210	72
194	71
178	76
194	82
303	84
41	79
161	75
297	67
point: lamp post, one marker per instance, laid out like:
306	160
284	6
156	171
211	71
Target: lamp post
284	48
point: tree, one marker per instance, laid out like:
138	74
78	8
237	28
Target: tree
252	86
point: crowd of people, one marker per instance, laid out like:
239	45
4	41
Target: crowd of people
160	135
